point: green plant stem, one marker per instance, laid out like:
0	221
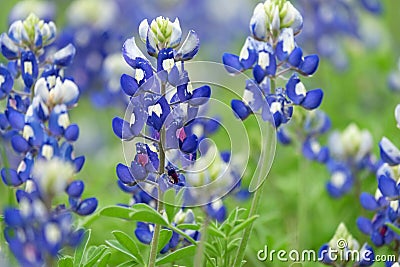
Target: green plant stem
160	206
199	257
246	234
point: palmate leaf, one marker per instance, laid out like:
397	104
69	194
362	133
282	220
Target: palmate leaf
116	245
94	254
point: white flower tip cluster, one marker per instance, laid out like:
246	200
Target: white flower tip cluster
161	32
343	239
52	175
352	142
31	30
270	17
99	14
44	9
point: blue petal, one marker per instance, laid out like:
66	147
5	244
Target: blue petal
295	58
10	177
72	133
78	163
189	144
128	84
291	85
138	171
30	74
258	73
121	129
313	99
75	188
283	137
124	174
241	110
8	48
19	144
164	54
16	119
323	254
309	65
200	95
64	56
368	201
387	186
173	76
389	152
12	217
364	225
87	206
144	235
189	48
232	63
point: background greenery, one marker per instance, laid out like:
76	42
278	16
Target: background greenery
296	211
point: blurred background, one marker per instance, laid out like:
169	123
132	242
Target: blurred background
357	57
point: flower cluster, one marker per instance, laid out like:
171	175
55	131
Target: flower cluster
271	52
164	118
343	249
328	22
36	123
385	203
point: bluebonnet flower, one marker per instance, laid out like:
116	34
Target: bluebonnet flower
385	203
270	52
350	154
329	22
37	125
343	247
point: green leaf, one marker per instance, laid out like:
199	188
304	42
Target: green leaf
165	236
127	264
243	224
116	245
104	260
116	212
233	244
80	250
127	242
65	262
213	231
169	203
95	255
177	255
188	226
144	213
394	228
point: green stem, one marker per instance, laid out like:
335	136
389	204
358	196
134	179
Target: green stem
246	234
253	210
199	257
160	206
